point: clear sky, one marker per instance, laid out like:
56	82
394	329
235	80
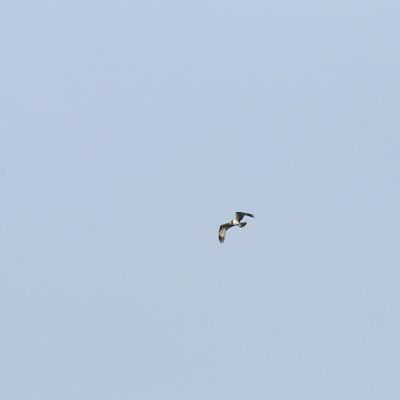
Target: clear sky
130	130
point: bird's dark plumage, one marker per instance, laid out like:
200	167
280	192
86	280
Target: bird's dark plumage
222	231
239	215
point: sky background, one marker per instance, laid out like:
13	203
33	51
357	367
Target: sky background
130	130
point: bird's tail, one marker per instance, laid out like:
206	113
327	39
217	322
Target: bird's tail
243	224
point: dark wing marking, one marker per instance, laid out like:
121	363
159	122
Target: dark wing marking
239	215
222	231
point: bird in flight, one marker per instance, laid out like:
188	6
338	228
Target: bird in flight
235	222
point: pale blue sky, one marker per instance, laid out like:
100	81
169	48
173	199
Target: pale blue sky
130	130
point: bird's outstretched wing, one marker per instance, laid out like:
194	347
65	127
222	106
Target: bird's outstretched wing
239	215
222	231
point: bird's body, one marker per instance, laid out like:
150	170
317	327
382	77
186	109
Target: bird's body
235	222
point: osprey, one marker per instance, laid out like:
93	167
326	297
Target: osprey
235	222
